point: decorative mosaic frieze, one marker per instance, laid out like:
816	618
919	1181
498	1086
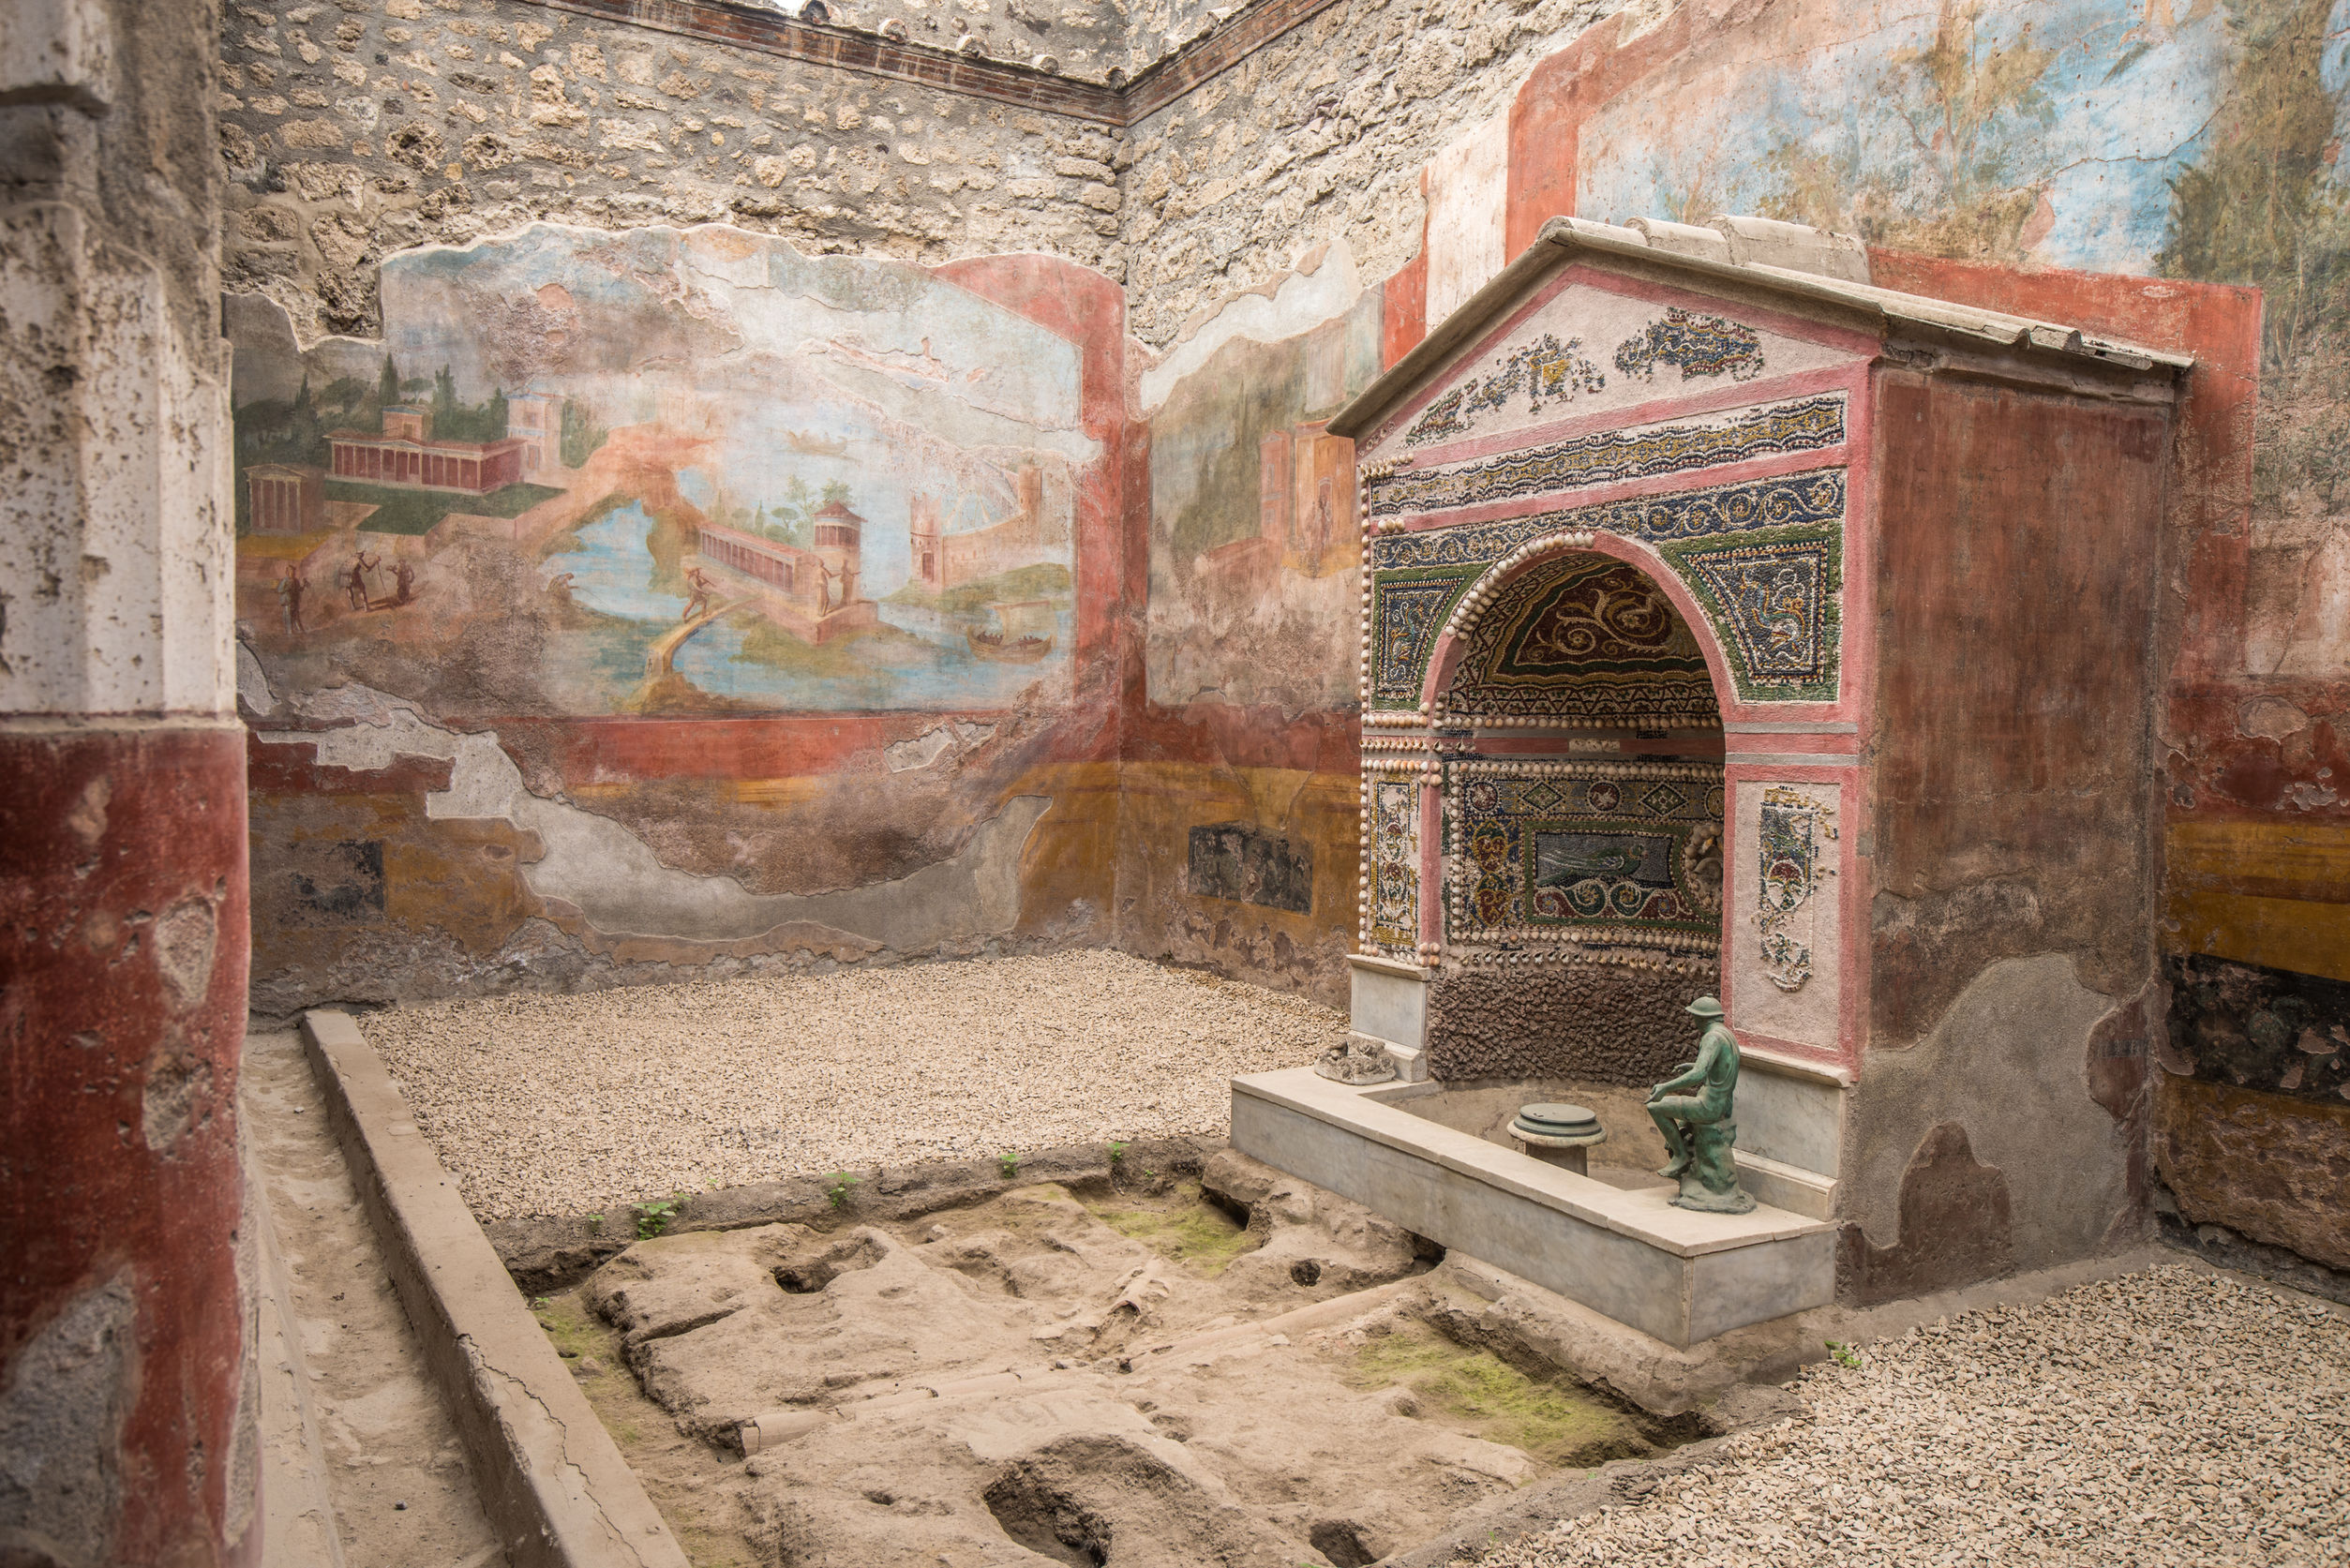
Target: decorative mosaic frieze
1391	831
1699	345
1608	456
1816	496
1408	610
1793	827
1583	640
1593	854
1548	372
1776	600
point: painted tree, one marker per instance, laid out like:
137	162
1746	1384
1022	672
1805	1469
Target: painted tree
2265	205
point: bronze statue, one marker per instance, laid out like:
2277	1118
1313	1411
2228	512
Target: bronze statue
1696	1127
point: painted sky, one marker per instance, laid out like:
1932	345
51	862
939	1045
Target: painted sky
2095	104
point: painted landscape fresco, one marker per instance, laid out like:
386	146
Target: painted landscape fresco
2190	139
1254	527
664	471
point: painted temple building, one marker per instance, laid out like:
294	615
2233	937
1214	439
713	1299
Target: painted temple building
406	456
943	561
285	498
812	594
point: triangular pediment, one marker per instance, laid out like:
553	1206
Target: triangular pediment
1585	346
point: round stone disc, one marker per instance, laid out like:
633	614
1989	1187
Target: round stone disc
1558	1121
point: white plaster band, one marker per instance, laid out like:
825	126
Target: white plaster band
1789	760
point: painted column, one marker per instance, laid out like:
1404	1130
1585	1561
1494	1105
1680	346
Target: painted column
124	1298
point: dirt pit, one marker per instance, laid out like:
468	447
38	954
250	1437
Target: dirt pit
1150	1374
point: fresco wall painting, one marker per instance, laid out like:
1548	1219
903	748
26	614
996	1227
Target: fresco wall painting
1246	718
541	517
672	476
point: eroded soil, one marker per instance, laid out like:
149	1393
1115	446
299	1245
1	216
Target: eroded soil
1151	1374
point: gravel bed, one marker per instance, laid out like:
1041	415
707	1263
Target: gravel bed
565	1105
2170	1417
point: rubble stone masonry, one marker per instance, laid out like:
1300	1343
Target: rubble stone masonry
354	128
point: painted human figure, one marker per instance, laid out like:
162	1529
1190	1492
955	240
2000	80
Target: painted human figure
404	574
845	577
355	586
1696	1126
701	583
290	588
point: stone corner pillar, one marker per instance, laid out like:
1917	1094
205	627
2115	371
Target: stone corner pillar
125	1284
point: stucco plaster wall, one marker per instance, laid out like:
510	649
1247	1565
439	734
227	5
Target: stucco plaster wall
1983	1148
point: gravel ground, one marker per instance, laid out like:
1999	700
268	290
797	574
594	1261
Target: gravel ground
2171	1416
565	1105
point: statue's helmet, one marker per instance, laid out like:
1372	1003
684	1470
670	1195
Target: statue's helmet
1706	1007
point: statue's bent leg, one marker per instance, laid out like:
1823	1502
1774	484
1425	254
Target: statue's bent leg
1668	1113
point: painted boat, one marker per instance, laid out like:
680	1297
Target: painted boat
1026	633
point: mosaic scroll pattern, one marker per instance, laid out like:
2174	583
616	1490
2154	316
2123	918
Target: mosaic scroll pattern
1816	496
1584	640
1764	558
1408	610
1776	600
1794	829
1548	372
1392	826
1697	345
1607	457
1592	854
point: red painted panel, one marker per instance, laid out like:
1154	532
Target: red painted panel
123	938
1403	309
1089	310
2212	473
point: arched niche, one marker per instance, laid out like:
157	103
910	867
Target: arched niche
1578	811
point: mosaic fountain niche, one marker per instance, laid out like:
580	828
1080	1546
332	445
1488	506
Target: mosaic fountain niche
1621	518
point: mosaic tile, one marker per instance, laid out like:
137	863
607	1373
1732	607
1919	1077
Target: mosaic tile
1699	345
1589	640
1608	456
1548	372
1813	497
1552	857
1408	610
1775	601
1394	852
1793	826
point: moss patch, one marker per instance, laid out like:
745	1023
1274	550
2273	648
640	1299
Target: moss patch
1477	1391
1182	1225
